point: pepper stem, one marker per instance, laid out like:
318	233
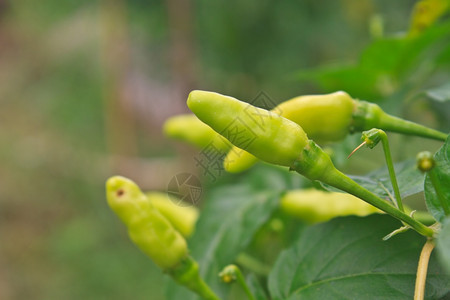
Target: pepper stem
371	139
315	164
232	273
369	115
343	182
187	274
390	165
421	276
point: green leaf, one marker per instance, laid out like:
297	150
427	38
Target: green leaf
409	178
384	65
440	101
347	77
439	94
442	172
346	259
256	288
443	243
232	215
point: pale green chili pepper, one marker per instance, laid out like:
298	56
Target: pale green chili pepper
333	110
314	206
277	140
246	127
147	227
190	129
154	234
182	216
329	118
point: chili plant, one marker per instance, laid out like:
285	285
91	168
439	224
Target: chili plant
296	226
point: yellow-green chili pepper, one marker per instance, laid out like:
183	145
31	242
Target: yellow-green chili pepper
325	118
314	206
238	160
246	126
329	118
278	140
333	111
154	234
190	129
147	227
181	215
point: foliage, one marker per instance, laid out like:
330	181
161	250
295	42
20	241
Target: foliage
345	258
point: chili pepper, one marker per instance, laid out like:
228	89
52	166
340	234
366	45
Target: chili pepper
265	134
329	118
314	206
181	215
280	141
154	234
147	227
333	110
190	129
238	160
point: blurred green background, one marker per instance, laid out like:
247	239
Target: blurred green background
85	87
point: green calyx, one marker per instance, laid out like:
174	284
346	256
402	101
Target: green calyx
313	162
186	273
372	137
264	134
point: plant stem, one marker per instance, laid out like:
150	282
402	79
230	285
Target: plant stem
253	264
391	123
231	273
419	292
368	115
187	274
345	183
315	164
240	279
439	193
390	165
